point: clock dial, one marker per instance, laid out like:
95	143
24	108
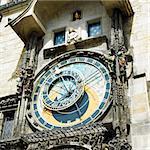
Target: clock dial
72	91
62	89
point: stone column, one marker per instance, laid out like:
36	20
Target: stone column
120	108
29	67
1	122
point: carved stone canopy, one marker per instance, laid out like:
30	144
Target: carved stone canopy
89	137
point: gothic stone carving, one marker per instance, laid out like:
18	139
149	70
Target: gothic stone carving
90	136
73	36
9	101
120	107
119	144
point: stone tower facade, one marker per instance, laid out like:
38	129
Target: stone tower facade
74	75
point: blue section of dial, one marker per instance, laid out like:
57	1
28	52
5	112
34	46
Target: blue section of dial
35	106
106	95
87	120
95	114
102	105
37	89
35	97
42	80
48	125
107	77
37	114
108	86
73	113
41	120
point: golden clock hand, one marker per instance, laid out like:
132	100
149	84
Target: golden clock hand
57	92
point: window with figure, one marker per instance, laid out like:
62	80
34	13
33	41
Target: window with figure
8	125
59	37
94	28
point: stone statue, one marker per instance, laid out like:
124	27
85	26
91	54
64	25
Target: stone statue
77	15
73	36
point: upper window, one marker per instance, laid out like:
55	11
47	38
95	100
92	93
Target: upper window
94	28
59	37
8	124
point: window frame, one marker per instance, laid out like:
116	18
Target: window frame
57	31
94	21
7	114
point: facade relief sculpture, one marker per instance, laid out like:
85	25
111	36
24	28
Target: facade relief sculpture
73	35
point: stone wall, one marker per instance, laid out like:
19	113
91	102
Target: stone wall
138	34
10	50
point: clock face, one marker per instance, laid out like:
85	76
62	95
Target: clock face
73	90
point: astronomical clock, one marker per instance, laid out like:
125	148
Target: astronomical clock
73	90
78	100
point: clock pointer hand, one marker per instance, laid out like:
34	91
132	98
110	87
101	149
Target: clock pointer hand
57	86
90	77
78	109
58	92
64	84
62	98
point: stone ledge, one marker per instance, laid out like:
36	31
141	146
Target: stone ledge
83	44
